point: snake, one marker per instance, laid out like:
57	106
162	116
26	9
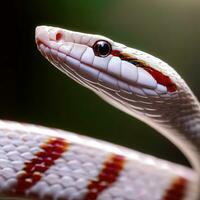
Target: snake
41	163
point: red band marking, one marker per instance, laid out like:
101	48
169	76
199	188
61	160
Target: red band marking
177	190
107	176
34	169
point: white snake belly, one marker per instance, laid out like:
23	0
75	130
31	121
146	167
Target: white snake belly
43	163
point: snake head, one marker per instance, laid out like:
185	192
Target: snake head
125	77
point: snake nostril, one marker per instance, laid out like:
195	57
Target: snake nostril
59	36
38	42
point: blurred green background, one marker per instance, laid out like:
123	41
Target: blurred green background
33	91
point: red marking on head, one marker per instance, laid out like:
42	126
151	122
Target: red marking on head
162	79
34	169
177	189
58	36
158	76
107	176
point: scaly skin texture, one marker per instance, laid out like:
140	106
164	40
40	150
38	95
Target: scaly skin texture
43	163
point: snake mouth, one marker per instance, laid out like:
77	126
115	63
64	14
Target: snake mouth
115	72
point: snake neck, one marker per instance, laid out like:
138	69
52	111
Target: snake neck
182	127
180	123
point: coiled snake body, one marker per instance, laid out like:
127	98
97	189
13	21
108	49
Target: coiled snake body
43	163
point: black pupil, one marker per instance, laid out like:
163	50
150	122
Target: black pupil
102	48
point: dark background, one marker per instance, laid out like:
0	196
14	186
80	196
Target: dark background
33	91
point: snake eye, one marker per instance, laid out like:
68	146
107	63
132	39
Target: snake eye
102	48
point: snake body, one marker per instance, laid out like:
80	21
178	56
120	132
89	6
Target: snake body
43	163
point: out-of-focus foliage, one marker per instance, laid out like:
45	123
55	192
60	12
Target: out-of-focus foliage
34	91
